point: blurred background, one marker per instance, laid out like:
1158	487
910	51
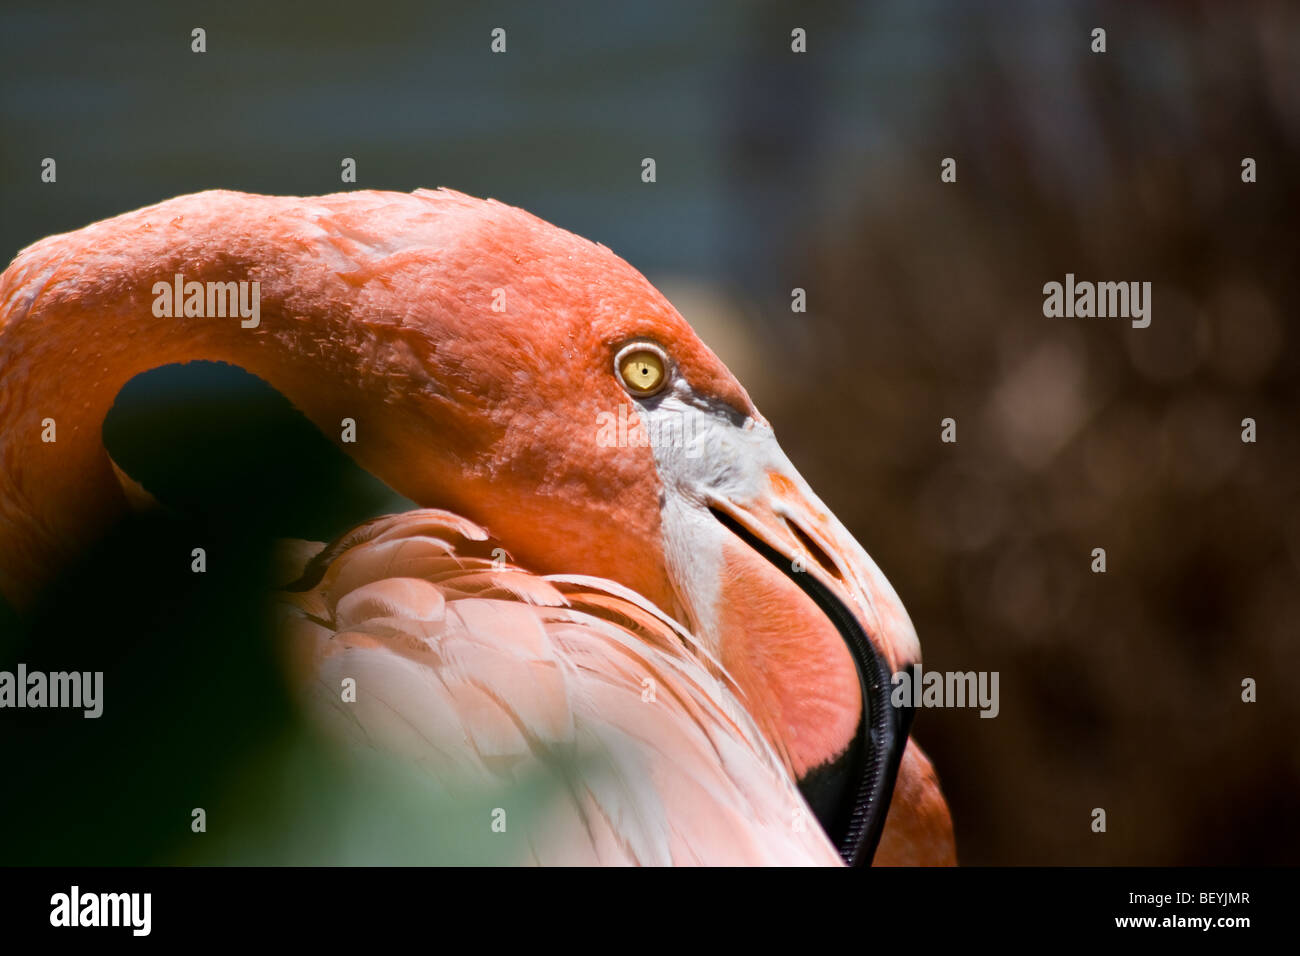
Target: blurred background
775	170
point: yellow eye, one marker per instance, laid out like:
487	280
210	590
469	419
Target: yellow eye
642	369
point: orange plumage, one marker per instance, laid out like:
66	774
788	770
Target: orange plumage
691	613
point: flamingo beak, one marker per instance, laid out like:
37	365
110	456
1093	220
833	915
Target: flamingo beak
786	524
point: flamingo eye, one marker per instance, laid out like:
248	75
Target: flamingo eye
642	368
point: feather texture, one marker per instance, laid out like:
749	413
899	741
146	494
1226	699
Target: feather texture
483	674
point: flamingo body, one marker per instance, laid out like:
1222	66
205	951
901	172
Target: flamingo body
416	610
697	648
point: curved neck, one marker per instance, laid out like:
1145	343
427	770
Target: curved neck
82	313
372	306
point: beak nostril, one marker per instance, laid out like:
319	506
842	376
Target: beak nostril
814	549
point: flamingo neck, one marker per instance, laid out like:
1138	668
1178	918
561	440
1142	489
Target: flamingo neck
78	319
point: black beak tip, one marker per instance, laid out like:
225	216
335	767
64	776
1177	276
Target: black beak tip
851	796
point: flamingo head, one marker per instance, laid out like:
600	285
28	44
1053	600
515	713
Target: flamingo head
561	400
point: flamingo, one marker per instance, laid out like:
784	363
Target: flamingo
687	610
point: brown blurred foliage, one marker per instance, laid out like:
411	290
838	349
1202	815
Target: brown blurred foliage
1119	690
